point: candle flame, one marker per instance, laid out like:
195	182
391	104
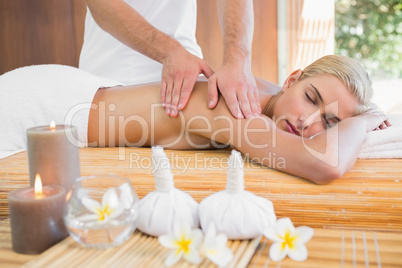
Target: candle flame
38	185
52	125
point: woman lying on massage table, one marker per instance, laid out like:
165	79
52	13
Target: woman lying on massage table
315	124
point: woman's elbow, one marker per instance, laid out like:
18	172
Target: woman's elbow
326	174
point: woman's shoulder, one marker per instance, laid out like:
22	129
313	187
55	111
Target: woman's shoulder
263	85
267	87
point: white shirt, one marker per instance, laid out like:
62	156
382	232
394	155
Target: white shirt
105	56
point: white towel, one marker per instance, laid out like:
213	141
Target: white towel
385	143
36	95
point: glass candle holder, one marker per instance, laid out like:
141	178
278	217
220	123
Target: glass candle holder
102	211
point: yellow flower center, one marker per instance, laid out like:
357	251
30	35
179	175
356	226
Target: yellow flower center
183	244
102	213
288	240
212	251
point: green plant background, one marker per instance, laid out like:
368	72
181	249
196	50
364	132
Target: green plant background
371	32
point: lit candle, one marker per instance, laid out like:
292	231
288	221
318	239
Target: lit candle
36	216
53	154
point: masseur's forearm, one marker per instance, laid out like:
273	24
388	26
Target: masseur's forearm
127	25
236	18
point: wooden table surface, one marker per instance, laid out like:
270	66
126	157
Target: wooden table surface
357	218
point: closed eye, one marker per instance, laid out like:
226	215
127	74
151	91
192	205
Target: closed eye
310	99
327	123
330	122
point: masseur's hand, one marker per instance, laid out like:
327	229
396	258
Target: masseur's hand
179	74
237	85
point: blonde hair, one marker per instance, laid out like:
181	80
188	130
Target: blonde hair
350	72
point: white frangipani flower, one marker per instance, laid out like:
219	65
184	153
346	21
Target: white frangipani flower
288	240
126	196
214	247
184	242
109	209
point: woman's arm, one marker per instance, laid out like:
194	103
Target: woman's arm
321	159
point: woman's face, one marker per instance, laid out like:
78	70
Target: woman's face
310	106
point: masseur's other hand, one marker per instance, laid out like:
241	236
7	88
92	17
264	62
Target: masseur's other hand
179	74
237	85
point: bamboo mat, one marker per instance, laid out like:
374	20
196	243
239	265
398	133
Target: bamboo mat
340	248
327	248
139	251
369	197
367	200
